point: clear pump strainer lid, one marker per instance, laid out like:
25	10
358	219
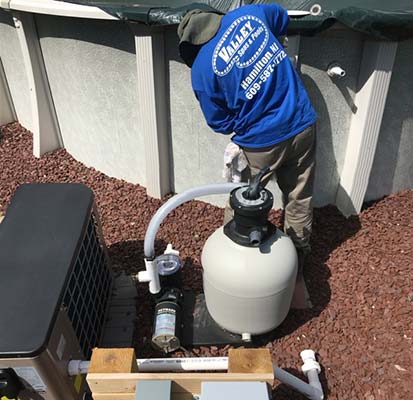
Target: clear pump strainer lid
168	264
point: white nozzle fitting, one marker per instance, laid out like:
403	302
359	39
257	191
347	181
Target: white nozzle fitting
335	70
310	362
143	276
76	367
150	275
246	337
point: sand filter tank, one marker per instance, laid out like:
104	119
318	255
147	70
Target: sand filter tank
250	266
249	273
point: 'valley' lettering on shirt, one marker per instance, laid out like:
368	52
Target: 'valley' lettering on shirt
228	51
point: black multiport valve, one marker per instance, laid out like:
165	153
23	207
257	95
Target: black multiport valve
251	204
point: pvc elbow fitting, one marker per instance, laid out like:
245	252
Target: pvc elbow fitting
76	367
151	276
310	362
335	70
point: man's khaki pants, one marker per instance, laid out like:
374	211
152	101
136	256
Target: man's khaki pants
292	162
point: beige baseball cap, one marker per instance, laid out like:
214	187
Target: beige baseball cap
199	26
196	28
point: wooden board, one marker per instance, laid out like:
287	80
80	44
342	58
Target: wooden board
112	376
250	360
113	361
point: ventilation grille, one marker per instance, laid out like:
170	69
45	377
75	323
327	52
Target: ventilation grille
87	294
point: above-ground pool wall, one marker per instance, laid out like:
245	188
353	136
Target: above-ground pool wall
197	155
102	73
393	163
197	151
11	58
91	66
333	100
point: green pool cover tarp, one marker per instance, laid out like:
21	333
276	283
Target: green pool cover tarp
384	19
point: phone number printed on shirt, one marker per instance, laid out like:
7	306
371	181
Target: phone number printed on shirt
262	72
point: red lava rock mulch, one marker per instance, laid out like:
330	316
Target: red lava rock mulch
360	274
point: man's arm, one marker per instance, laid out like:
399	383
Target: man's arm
217	116
278	18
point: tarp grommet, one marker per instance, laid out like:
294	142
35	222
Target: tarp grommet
315	9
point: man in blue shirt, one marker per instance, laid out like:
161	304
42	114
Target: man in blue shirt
247	86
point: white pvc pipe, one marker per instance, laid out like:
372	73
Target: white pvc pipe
76	367
311	369
188	364
298	13
312	390
183	364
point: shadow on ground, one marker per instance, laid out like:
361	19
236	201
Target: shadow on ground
330	230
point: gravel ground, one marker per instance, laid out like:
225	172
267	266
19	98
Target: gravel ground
359	274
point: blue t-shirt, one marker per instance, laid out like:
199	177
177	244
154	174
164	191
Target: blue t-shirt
245	82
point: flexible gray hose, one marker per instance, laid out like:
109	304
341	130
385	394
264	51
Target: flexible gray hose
313	393
177	200
314	380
